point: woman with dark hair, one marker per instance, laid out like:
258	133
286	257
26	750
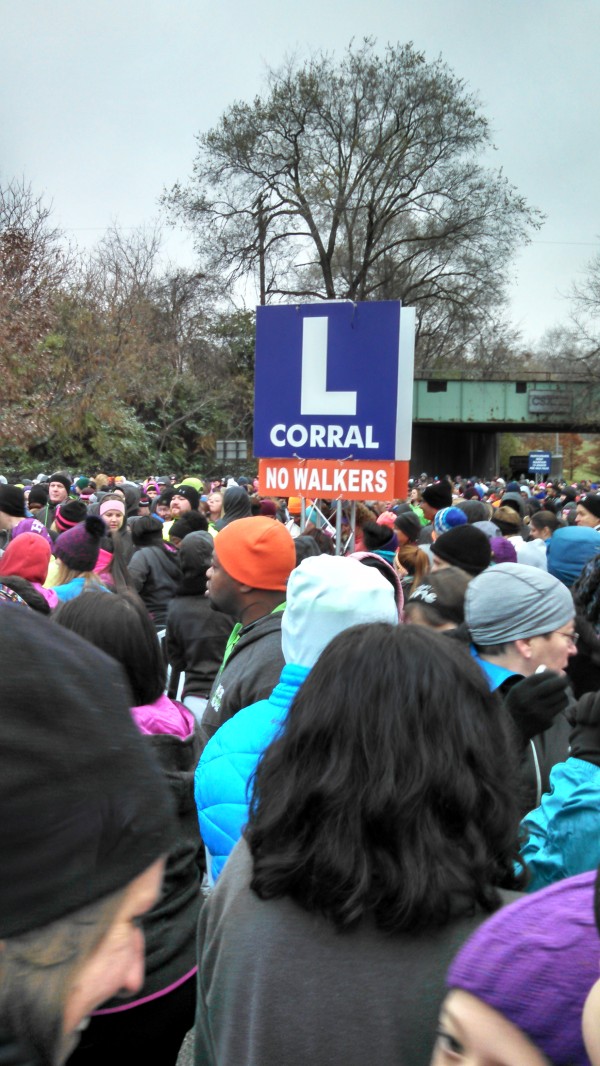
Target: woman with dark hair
382	822
151	1025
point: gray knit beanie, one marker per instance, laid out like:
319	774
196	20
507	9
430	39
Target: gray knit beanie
512	602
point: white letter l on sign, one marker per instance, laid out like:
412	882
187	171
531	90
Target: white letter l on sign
314	397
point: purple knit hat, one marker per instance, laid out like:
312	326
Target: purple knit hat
502	550
79	547
32	525
535	962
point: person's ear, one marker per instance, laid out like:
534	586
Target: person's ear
523	647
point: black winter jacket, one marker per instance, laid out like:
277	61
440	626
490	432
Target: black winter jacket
155	574
196	639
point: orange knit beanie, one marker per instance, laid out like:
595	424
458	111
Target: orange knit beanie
257	552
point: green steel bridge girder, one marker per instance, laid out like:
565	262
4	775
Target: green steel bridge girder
508	406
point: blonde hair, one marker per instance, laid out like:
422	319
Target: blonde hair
37	971
65	574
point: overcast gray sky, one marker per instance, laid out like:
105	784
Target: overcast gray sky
101	101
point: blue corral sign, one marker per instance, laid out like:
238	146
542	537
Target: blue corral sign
334	381
540	462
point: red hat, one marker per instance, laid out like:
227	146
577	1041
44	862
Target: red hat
257	552
28	556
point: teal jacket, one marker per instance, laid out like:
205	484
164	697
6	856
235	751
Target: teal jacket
562	833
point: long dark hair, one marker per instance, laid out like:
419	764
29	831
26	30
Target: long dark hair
119	625
392	789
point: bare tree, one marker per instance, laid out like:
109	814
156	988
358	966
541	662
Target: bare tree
586	320
360	179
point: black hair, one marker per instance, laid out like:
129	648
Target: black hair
400	804
146	530
119	625
305	546
190	522
324	541
492	649
119	577
586	593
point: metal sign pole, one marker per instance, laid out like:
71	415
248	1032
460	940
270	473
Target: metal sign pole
338	527
351	542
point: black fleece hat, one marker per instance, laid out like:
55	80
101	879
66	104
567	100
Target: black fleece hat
39	494
85	808
591	502
465	547
63	478
190	494
438	495
409	524
12	501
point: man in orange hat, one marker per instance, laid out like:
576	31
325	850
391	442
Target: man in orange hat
251	563
294	507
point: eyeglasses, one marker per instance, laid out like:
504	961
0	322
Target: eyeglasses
572	637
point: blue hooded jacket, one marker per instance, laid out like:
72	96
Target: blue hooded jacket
569	550
228	762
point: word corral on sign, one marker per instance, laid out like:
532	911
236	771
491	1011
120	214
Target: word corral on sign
333	383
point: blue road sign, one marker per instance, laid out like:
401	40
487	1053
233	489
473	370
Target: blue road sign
540	462
334	381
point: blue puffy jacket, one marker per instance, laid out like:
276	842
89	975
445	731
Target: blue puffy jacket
564	831
229	761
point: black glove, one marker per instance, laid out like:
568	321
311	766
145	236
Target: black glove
535	702
585	734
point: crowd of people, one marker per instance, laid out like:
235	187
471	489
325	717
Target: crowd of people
338	783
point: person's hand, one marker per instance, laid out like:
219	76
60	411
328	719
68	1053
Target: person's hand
535	702
585	732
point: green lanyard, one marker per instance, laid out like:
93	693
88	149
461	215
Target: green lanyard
234	636
236	633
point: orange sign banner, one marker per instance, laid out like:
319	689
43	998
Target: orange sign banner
330	479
